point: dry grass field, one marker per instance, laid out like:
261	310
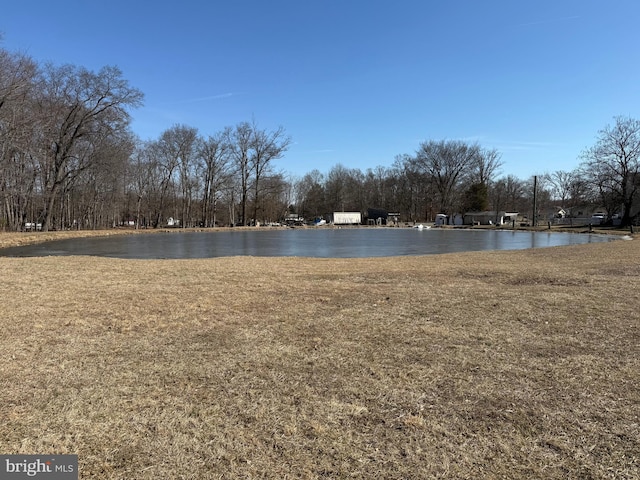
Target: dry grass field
514	365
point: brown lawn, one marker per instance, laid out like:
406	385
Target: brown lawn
516	365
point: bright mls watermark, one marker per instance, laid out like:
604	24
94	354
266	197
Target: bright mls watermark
49	467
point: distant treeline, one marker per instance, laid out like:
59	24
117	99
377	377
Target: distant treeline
68	159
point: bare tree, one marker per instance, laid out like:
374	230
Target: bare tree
376	187
560	183
580	192
274	198
446	163
508	193
17	166
17	73
141	179
310	194
95	197
412	190
486	165
77	108
215	162
336	189
265	148
239	140
613	164
515	193
252	152
162	168
177	147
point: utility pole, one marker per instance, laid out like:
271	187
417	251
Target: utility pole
535	200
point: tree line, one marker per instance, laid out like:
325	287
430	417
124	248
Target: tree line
68	159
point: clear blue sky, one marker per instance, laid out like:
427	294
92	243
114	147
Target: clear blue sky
359	82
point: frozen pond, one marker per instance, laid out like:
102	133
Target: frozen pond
320	242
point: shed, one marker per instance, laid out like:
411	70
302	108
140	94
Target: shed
377	216
441	219
346	218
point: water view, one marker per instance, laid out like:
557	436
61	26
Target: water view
326	243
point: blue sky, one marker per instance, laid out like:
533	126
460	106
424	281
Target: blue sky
358	82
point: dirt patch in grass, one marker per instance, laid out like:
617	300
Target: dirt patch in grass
477	365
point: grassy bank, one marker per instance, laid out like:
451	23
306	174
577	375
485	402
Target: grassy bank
520	364
17	239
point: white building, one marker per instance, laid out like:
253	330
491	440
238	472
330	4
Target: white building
490	218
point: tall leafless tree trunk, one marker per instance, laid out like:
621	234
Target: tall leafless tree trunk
78	107
239	141
178	147
214	155
265	148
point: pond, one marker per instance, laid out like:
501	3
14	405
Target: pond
317	242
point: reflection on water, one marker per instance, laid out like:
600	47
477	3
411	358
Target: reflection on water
333	243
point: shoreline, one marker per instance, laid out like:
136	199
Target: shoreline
18	239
